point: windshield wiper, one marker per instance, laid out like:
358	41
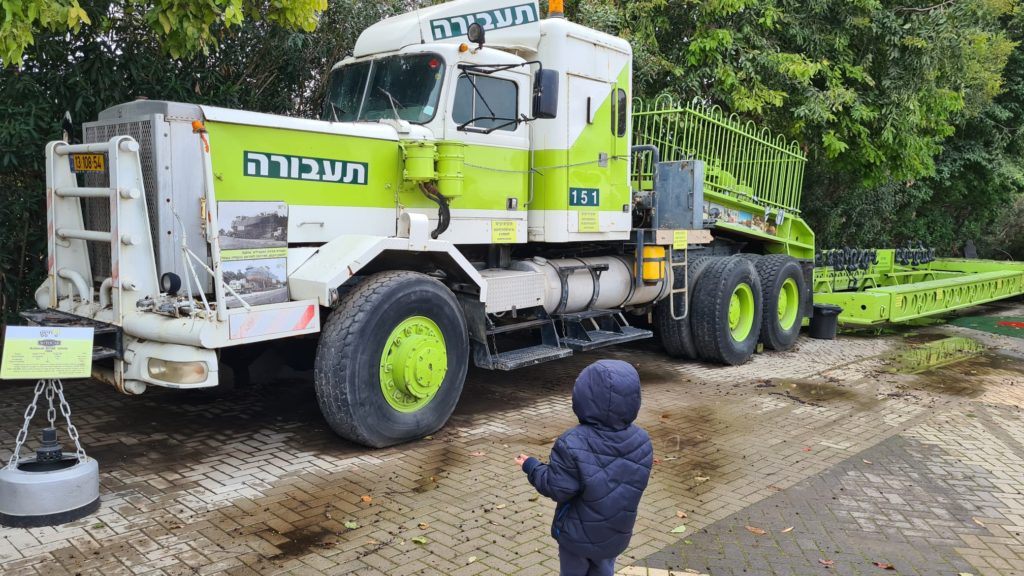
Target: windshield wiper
335	110
393	101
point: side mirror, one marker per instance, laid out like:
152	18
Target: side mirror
476	34
545	94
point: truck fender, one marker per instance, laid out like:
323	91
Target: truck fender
334	263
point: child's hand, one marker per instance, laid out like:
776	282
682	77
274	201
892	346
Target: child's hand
521	459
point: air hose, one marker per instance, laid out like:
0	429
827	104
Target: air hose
444	214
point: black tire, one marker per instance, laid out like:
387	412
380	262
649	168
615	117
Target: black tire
711	304
753	258
774	270
347	373
676	335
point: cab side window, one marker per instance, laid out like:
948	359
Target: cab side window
619	109
486	103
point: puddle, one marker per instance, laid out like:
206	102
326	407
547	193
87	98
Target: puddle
1001	325
967	378
933	355
302	541
817	392
684	443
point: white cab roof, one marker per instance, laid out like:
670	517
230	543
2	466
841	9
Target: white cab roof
510	24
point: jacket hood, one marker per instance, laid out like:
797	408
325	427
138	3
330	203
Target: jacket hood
607	395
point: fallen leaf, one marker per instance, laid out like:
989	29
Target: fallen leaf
420	540
478	453
424	525
657	460
428	437
366	499
471	560
867	461
978	522
534	498
678	529
826	563
884	565
680	514
666	416
687	541
500	506
351	525
372	542
807	448
98	525
701	478
964	574
755	530
787	530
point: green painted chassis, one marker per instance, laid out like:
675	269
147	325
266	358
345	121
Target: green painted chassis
891	293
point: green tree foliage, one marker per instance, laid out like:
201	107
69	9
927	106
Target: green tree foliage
184	27
255	65
872	88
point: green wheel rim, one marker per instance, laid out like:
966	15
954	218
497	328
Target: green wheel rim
741	312
413	364
789	304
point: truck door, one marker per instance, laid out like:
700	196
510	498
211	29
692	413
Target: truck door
598	164
485	109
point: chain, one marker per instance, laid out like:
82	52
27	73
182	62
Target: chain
65	409
30	412
51	413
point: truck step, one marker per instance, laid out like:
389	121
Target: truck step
523	357
107	338
587	315
527	325
601	338
103	352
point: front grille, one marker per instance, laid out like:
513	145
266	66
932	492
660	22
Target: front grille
96	211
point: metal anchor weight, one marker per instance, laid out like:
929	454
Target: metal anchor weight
53	487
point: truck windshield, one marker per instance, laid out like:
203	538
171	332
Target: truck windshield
408	86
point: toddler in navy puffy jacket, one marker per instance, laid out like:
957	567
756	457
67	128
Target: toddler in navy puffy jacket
597	471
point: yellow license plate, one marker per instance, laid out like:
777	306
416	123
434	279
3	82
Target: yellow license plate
88	163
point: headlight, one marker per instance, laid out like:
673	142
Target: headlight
178	372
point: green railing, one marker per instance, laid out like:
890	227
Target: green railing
740	159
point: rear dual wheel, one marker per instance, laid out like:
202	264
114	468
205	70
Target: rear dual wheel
677	335
392	359
782	282
727	311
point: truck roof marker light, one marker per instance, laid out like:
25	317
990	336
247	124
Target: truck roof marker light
556	9
463	47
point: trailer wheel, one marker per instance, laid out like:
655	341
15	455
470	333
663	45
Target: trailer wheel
392	359
782	282
727	312
676	335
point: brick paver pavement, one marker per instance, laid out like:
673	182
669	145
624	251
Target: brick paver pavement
252	481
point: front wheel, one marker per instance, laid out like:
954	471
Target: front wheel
392	359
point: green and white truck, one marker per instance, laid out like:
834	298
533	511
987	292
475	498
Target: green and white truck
481	188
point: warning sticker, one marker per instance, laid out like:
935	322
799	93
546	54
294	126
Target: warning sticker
504	232
680	238
590	221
